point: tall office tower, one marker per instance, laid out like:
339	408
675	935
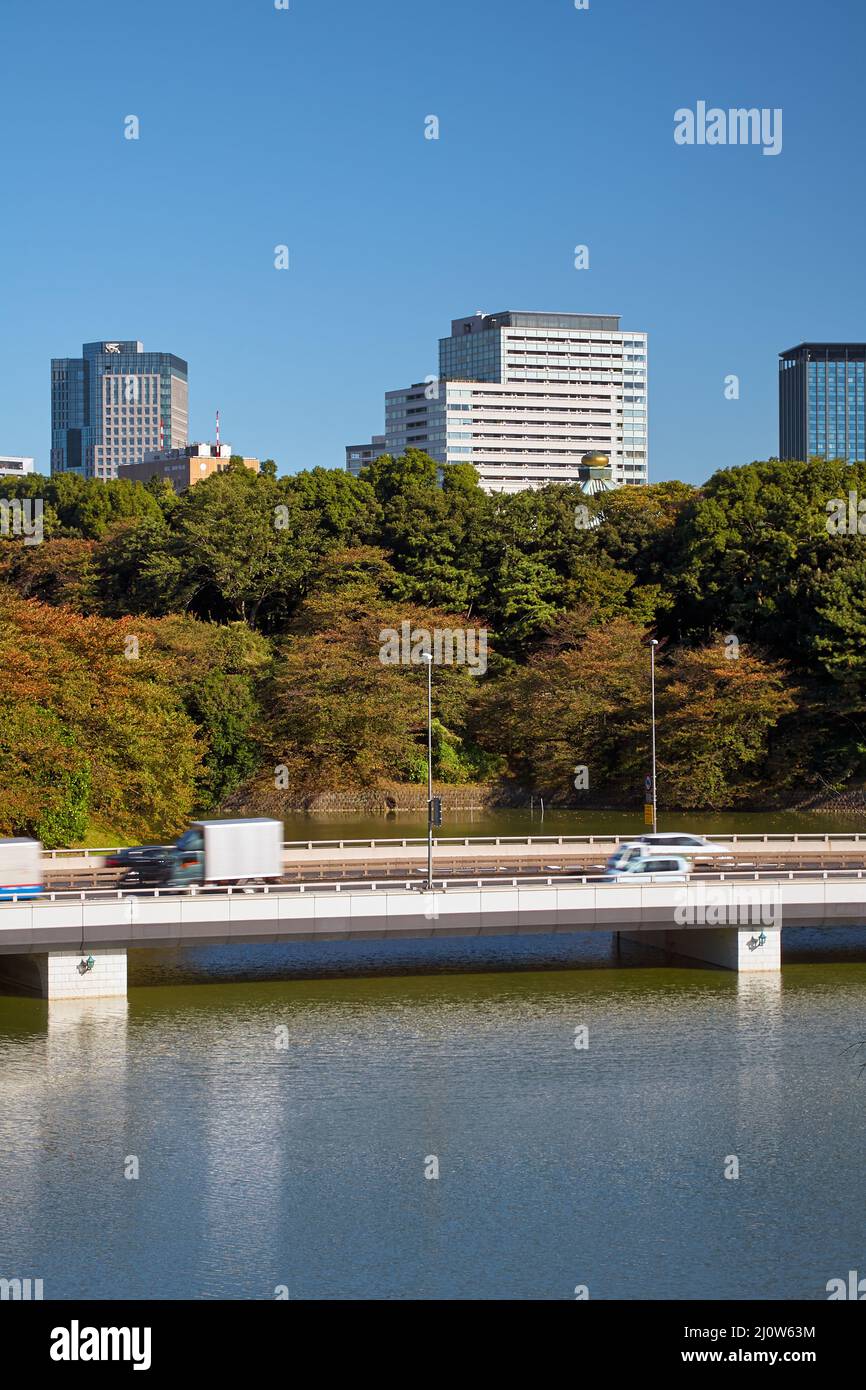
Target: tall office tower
822	401
524	396
113	404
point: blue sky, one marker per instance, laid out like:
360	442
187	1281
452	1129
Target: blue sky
305	127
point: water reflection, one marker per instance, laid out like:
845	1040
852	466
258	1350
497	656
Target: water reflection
251	1132
283	1125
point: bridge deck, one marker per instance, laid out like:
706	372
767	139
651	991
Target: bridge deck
464	907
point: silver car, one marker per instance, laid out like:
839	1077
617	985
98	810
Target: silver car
650	867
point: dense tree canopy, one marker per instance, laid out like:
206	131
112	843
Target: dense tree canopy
163	653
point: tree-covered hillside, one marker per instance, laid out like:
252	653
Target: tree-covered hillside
160	654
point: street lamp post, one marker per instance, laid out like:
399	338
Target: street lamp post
428	657
653	646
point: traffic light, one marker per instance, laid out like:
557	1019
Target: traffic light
436	811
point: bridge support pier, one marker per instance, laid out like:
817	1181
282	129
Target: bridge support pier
59	974
734	948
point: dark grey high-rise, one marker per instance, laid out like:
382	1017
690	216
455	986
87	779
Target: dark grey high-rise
114	404
822	401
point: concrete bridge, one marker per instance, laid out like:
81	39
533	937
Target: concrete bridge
74	944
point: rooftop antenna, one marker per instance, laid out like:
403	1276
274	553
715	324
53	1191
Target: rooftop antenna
218	434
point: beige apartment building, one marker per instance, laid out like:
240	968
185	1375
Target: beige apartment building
185	466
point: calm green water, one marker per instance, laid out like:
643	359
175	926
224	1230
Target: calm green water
303	1165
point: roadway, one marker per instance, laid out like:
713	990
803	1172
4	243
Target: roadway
392	859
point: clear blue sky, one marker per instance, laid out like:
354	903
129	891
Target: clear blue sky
306	127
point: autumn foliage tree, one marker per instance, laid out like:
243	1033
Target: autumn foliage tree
257	606
340	715
582	700
720	709
87	741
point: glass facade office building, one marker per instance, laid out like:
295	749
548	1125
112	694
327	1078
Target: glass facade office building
113	405
822	402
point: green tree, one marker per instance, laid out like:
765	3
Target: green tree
59	572
345	509
582	700
717	718
753	555
242	543
433	533
141	569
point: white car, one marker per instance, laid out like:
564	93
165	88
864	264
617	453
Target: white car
692	847
629	853
681	842
648	868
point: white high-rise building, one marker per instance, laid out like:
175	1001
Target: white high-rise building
524	396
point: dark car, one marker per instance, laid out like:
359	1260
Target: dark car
145	866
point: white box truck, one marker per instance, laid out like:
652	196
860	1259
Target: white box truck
244	851
238	850
20	869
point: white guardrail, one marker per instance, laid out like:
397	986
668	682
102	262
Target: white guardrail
504	881
808	838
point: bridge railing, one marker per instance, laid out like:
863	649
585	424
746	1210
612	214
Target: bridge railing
505	882
808	838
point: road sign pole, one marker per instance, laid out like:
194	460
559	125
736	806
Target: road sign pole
428	657
653	646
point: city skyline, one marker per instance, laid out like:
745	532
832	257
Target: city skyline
91	397
383	226
432	868
171	429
